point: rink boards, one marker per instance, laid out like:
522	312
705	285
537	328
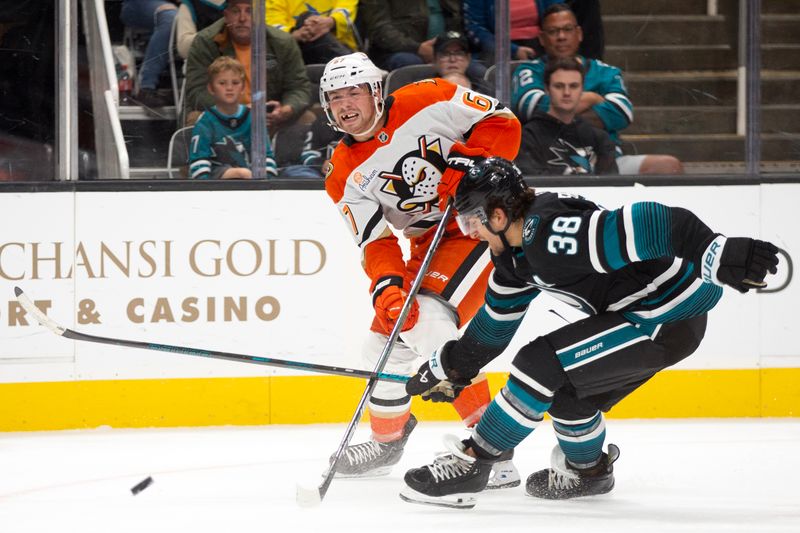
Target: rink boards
275	274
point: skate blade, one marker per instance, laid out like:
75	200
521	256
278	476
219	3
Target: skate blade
453	501
503	485
378	472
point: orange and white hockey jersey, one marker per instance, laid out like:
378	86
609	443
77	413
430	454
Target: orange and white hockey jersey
392	178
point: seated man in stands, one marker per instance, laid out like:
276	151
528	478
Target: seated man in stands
195	15
604	102
288	90
322	28
560	142
402	32
220	147
451	58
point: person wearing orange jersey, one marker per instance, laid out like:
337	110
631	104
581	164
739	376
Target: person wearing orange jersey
399	160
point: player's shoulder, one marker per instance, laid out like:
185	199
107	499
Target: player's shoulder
550	205
423	93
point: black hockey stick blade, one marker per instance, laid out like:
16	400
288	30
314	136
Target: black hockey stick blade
50	324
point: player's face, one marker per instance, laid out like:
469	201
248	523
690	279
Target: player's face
474	224
565	90
353	109
452	58
561	36
239	21
226	87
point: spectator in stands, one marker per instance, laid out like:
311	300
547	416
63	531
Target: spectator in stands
452	59
322	28
402	32
525	16
288	90
155	16
220	146
604	102
560	142
194	15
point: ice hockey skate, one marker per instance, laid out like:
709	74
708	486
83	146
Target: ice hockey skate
452	480
563	481
373	458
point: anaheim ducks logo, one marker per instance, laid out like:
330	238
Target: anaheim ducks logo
415	177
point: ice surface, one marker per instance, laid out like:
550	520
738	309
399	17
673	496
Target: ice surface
672	476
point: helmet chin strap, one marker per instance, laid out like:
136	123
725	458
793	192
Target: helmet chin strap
501	232
378	115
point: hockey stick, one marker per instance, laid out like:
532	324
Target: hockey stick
50	324
308	497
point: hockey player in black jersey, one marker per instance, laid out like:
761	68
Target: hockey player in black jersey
559	141
645	275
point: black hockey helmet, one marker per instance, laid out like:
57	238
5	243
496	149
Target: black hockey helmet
492	178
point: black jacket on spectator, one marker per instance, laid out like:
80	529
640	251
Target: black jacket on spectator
401	25
550	146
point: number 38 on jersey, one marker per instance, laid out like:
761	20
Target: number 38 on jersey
562	238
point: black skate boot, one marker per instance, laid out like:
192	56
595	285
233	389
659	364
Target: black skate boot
504	474
564	481
373	458
453	480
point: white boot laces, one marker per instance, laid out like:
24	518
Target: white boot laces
561	480
364	452
452	463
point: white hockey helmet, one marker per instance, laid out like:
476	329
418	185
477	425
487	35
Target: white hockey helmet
351	70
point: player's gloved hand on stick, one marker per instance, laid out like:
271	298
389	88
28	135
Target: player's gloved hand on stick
744	262
438	370
444	391
388	299
459	161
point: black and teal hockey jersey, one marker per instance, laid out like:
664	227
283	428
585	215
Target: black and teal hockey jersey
616	111
643	261
220	142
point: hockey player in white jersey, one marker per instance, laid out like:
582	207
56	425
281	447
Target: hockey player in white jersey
400	157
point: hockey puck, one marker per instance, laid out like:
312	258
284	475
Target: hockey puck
139	487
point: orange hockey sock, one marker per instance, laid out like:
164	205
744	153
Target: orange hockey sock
388	429
473	401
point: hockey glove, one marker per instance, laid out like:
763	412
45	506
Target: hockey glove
740	262
444	391
388	299
459	161
435	375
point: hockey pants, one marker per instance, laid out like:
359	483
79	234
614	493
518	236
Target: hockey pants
577	372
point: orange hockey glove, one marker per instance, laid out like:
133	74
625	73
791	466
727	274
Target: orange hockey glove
459	161
388	299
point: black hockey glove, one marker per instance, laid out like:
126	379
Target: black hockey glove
431	377
744	263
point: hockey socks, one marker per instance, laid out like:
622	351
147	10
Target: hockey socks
473	400
387	429
581	440
515	412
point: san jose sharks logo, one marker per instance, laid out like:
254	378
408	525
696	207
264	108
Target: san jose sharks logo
575	160
229	151
416	175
